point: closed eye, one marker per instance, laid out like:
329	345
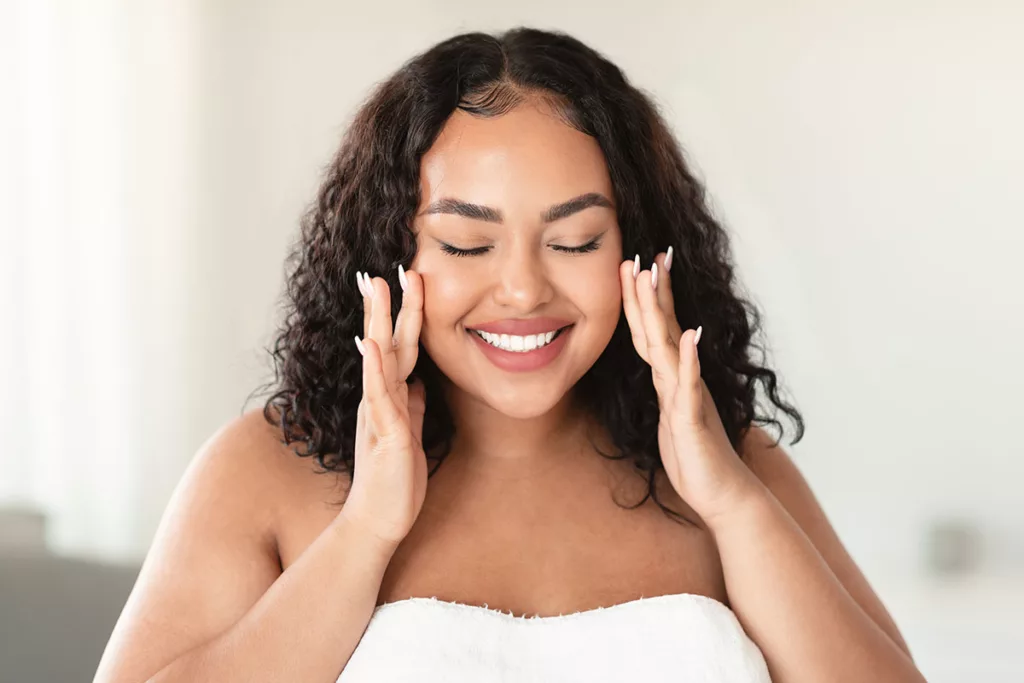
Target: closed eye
583	249
454	251
589	246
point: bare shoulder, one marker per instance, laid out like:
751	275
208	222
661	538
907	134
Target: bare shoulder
305	497
289	496
292	474
259	477
215	551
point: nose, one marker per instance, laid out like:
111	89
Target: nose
524	282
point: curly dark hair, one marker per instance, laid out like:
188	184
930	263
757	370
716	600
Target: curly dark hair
362	220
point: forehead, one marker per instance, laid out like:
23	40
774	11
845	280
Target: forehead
527	158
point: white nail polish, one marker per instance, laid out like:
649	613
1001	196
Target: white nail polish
359	282
359	345
402	280
636	266
368	285
696	338
668	260
654	276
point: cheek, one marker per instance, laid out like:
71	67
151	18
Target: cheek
598	297
445	299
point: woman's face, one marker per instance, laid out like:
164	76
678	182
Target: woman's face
519	170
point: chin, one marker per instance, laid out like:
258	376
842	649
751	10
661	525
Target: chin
522	408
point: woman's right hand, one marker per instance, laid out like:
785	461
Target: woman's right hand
389	481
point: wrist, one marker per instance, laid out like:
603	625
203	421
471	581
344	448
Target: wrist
362	540
755	503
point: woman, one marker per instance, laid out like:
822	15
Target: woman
542	307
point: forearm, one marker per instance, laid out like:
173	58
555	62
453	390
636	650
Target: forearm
307	624
792	605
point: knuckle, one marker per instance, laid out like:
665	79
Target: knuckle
391	438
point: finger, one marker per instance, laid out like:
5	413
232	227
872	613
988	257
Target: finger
362	428
665	298
631	307
417	407
662	350
690	397
382	414
367	303
381	330
408	324
361	415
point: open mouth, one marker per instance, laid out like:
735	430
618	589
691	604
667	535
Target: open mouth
519	344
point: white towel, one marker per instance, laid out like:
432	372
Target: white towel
683	638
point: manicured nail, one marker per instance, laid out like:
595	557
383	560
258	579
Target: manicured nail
359	345
402	280
359	282
654	276
697	337
668	260
368	285
636	266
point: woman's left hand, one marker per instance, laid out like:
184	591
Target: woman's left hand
699	460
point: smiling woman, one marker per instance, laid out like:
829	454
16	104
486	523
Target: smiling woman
510	235
525	200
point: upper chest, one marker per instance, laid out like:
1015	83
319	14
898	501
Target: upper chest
561	544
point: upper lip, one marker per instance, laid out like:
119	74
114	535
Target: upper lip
522	326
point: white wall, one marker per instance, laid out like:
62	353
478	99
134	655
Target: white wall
98	204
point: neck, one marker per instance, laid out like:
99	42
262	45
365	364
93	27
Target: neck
488	441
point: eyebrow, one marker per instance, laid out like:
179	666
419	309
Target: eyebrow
492	215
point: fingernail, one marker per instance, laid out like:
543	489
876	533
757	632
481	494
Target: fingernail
654	276
368	285
401	278
359	282
668	260
697	337
359	345
636	266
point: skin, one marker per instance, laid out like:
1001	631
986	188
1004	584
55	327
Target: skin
521	444
522	481
520	164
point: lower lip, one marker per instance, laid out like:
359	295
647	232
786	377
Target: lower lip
524	361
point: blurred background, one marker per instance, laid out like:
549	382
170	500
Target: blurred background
866	157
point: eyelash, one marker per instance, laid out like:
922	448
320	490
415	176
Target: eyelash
588	247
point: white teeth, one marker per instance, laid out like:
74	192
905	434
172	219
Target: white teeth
515	343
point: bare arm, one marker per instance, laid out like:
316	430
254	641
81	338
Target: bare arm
791	584
211	602
797	592
780	475
305	627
